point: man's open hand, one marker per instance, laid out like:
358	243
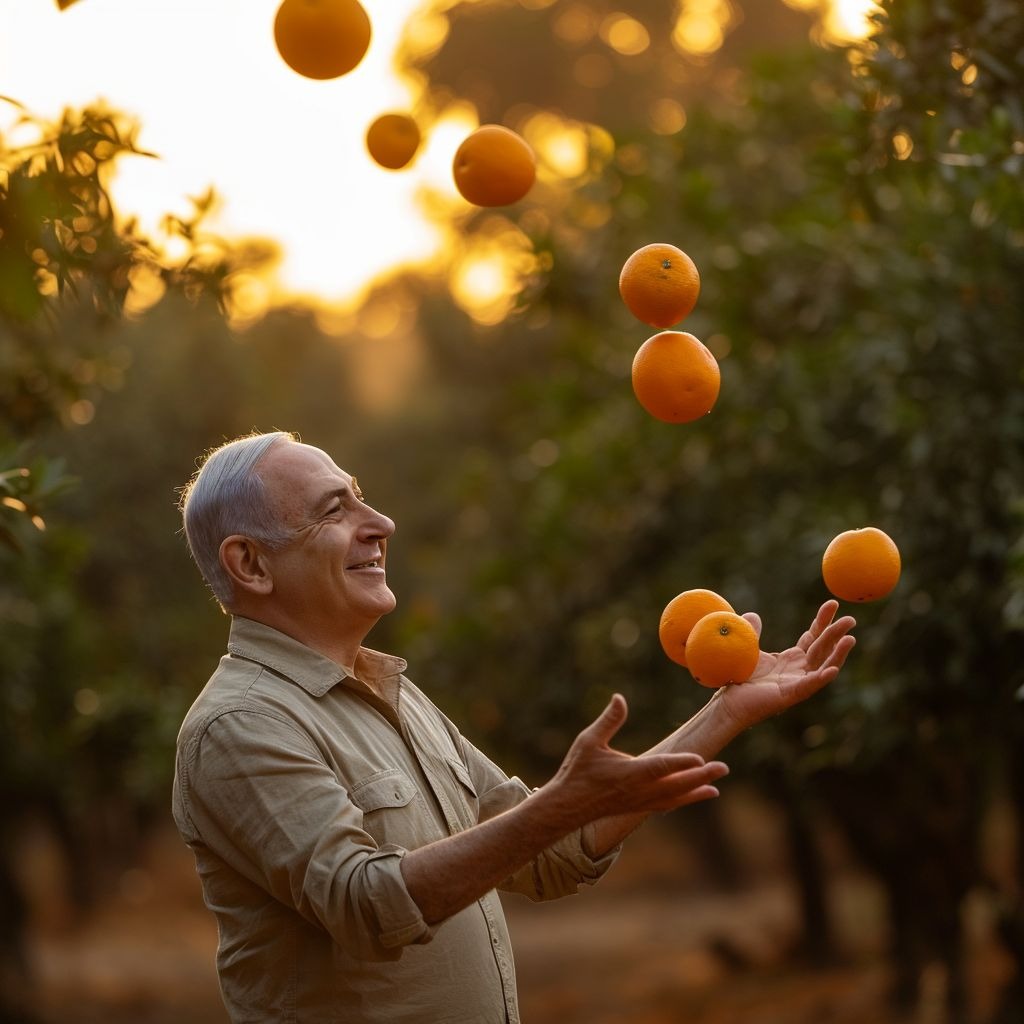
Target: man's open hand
791	676
595	780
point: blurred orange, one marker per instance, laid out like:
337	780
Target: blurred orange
681	614
659	284
494	166
723	648
861	565
675	377
392	140
322	38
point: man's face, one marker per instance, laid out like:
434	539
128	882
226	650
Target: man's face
332	571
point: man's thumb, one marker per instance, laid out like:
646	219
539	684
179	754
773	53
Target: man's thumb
610	721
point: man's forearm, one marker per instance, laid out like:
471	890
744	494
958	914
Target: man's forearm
450	874
595	783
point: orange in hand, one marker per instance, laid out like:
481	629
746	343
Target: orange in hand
321	38
494	166
675	377
861	565
722	648
681	614
392	140
660	284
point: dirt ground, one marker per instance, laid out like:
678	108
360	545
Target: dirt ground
649	945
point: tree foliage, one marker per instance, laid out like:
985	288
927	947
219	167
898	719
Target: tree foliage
858	222
857	218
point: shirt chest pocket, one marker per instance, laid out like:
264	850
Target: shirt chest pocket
388	802
464	793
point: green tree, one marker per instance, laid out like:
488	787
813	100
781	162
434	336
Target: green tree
857	218
68	270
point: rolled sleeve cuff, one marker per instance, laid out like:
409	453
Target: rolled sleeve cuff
574	853
596	866
400	922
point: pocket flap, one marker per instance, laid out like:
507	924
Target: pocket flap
461	772
392	788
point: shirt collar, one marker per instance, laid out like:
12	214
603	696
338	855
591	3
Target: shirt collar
288	657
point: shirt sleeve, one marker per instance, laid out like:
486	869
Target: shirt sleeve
258	793
565	865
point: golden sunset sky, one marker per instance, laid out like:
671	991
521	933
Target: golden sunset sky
220	109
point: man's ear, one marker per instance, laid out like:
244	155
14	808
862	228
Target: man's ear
244	563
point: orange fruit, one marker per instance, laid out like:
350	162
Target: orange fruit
660	284
392	140
494	166
681	614
861	565
675	378
321	38
722	648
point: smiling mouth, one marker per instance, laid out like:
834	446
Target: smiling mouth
373	563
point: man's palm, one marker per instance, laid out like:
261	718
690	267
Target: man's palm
784	679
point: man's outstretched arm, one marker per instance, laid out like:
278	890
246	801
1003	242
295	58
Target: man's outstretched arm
593	783
779	682
616	791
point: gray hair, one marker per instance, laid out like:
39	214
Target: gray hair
225	496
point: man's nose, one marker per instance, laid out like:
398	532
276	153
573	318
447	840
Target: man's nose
379	525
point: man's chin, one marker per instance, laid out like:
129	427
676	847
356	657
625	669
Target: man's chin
387	602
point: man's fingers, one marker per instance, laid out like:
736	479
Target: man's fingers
822	648
820	677
754	619
825	614
690	786
818	626
839	653
663	766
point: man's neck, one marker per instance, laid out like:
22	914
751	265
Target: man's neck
337	645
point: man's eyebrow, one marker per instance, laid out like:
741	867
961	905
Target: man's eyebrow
340	492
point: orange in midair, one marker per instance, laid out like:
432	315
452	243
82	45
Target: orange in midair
861	565
675	377
494	166
392	140
660	284
322	38
681	614
723	648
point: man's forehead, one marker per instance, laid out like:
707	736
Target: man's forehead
303	466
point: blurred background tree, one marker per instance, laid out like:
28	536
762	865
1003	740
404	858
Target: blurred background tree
857	217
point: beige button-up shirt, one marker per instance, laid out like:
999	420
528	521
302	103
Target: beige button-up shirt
299	790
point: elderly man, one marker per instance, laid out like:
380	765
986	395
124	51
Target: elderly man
349	839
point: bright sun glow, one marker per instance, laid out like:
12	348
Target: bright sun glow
849	19
220	108
842	21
